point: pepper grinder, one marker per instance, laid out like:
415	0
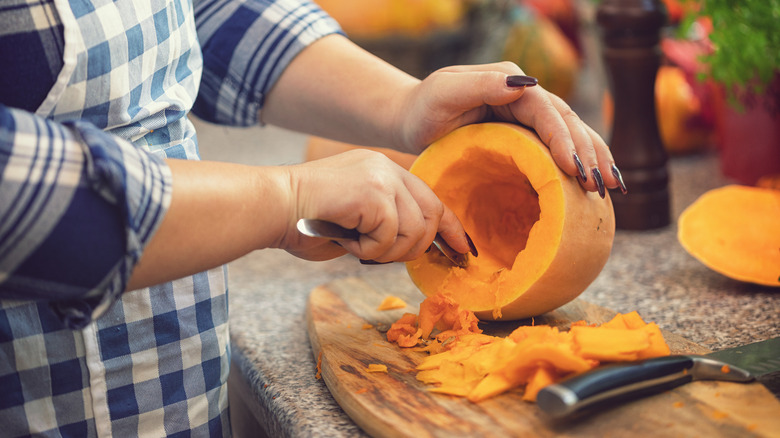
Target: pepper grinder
631	35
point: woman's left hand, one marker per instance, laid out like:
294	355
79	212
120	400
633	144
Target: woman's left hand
455	96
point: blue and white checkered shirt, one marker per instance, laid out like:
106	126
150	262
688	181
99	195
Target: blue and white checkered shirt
93	94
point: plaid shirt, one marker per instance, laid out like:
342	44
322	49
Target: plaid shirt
93	94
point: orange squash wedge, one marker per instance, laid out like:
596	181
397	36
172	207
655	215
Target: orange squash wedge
735	230
541	238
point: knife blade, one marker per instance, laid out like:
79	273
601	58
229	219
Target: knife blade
625	381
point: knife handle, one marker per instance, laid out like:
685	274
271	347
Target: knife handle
614	382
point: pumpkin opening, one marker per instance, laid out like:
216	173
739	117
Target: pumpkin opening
501	205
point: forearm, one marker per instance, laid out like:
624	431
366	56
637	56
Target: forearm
218	213
335	89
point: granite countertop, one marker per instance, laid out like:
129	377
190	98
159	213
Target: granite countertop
648	271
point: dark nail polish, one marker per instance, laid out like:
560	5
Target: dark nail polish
333	241
580	168
618	176
471	245
372	262
521	81
599	182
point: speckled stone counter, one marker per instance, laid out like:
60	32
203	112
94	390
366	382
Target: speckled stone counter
648	271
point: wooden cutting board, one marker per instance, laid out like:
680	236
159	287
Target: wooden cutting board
396	404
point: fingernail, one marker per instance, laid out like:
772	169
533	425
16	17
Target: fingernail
333	241
372	262
471	245
618	176
599	182
429	249
521	81
580	167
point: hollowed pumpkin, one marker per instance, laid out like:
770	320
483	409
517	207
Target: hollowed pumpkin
542	238
735	230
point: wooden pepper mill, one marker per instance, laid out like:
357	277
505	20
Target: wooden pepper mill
631	34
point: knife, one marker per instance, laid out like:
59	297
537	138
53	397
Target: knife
320	228
625	381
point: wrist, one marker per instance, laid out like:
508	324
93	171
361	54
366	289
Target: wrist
275	189
400	127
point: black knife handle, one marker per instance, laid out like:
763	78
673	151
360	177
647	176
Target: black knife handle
614	382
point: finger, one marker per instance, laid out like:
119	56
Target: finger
613	178
378	231
431	209
595	154
451	229
411	229
538	110
439	219
585	148
510	68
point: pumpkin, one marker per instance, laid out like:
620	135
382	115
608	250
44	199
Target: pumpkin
542	239
367	19
678	109
541	49
735	230
564	14
682	123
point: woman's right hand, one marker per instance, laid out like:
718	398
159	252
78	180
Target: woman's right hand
397	214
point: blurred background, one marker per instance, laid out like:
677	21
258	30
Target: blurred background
717	91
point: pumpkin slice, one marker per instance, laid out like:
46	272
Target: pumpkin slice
735	230
542	239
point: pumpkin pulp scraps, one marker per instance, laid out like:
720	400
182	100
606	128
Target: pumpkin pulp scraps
468	363
391	302
437	312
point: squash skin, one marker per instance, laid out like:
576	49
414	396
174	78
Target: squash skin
550	264
735	231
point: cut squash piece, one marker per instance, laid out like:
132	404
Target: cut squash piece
735	230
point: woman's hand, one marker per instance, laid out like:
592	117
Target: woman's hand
396	213
455	96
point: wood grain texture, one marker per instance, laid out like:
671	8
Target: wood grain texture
396	404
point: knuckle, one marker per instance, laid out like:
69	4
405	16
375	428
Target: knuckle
568	114
508	66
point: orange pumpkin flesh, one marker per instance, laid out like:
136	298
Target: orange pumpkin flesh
542	239
478	366
735	230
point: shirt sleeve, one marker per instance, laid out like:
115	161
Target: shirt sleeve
77	208
246	45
